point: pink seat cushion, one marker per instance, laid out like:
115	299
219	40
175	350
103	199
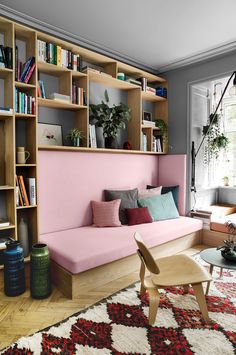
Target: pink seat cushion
84	248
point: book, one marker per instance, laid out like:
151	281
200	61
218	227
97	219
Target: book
31	189
27	65
59	97
2	57
4	222
9	57
28	76
6	110
92	136
23	190
41	83
148	123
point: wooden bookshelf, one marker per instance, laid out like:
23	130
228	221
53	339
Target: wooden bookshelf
59	104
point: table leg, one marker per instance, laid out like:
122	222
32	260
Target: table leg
221	272
208	283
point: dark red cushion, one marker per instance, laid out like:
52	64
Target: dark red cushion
138	215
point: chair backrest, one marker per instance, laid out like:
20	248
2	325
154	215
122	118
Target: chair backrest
146	255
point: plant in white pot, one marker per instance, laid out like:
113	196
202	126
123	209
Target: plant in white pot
75	136
111	119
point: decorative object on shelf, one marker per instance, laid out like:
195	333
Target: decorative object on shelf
161	91
163	129
49	134
111	119
226	180
23	236
213	117
147	116
127	145
14	271
228	250
121	76
22	155
75	135
40	280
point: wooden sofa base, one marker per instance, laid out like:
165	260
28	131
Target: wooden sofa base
213	238
74	285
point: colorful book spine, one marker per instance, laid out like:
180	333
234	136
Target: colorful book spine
31	188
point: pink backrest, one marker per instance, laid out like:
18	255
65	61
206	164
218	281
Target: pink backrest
68	181
172	171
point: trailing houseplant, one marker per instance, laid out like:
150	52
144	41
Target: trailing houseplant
110	118
163	129
74	136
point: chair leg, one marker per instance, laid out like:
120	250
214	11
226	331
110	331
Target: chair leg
142	290
186	287
154	299
198	289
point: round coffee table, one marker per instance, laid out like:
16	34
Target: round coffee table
213	257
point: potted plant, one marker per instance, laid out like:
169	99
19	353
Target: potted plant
228	250
74	136
226	180
163	129
111	119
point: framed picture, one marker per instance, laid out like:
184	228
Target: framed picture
49	134
147	116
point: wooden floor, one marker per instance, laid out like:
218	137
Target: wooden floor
22	315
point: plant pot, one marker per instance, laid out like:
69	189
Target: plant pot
99	137
231	256
110	143
76	142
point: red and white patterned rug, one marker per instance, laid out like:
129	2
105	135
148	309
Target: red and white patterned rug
119	325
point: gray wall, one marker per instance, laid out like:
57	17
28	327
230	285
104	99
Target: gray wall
178	80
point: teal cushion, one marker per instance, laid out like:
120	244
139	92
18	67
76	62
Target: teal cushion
160	206
165	189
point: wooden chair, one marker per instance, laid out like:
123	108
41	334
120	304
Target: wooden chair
176	270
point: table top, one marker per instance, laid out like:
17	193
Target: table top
214	257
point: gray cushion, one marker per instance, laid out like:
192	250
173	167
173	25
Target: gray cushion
128	200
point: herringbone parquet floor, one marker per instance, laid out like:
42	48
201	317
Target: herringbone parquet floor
23	315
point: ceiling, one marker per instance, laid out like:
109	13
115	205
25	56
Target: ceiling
161	35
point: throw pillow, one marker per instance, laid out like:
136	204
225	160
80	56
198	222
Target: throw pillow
173	189
106	214
128	200
138	215
149	192
160	207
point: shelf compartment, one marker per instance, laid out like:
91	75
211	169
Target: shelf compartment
11	226
152	98
55	69
59	104
111	82
7	152
26	136
29	214
7	205
137	73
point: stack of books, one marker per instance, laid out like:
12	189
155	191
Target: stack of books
92	136
4	222
78	95
204	216
6	110
59	97
23	72
157	144
148	123
6	60
24	103
133	81
25	191
55	54
151	90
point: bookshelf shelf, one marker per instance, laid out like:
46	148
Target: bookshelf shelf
4	72
25	165
57	70
151	97
11	226
111	82
6	187
24	115
59	104
26	207
4	116
18	84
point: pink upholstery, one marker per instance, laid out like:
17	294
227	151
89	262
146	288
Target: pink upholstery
87	247
172	171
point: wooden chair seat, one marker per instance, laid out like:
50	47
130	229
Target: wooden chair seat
176	270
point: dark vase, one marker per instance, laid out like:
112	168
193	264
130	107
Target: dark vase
14	270
100	137
110	142
40	280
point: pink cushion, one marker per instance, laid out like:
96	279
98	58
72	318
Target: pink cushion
138	215
149	192
106	214
84	248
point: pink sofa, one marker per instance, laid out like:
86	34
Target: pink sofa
68	181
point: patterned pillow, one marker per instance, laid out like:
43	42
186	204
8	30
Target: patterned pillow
106	214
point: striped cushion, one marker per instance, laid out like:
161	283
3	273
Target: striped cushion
106	214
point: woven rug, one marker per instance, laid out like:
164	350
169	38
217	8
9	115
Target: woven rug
119	325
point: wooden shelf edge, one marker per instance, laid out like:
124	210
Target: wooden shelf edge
6	187
11	226
94	150
25	207
59	104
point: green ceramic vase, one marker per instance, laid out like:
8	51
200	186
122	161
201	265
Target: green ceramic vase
40	280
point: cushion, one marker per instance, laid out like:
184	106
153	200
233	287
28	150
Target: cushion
160	206
106	214
128	200
149	192
138	215
173	189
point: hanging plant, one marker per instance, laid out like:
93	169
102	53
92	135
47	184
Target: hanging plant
163	129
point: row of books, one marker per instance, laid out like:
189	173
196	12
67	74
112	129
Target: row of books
159	91
54	54
157	144
24	71
6	60
79	96
92	136
24	103
25	191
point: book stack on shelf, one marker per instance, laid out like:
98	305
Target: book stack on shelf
157	144
144	142
92	136
6	60
78	95
133	81
6	110
24	103
148	123
204	216
23	72
55	54
25	191
4	222
41	89
59	97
